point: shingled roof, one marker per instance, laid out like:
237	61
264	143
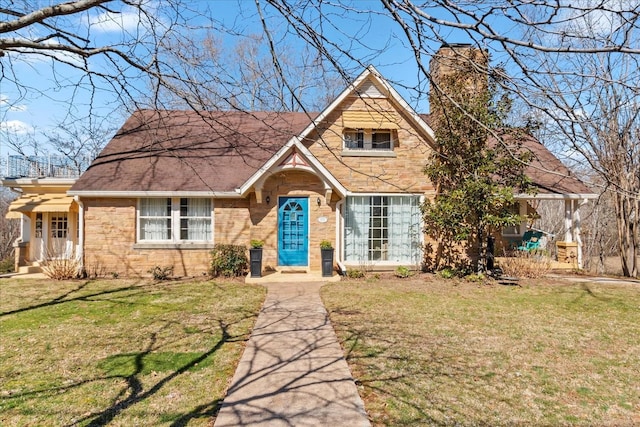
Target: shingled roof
170	151
548	174
190	151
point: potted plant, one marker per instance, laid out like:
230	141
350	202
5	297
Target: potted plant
326	250
255	257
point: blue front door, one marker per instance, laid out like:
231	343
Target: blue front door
293	226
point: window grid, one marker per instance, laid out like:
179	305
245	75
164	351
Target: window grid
158	217
368	139
383	229
378	229
293	227
59	225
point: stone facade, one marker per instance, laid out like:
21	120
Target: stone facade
398	171
110	247
111	223
265	216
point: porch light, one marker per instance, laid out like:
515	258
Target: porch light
267	199
318	201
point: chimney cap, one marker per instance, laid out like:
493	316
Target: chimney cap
456	45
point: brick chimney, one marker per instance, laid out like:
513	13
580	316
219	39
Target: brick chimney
451	59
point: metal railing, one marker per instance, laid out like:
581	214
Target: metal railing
48	166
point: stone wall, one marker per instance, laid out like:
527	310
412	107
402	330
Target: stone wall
110	244
264	217
399	172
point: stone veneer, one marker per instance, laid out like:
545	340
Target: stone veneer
111	223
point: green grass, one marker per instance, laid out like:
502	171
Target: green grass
439	352
120	352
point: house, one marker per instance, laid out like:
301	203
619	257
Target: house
172	184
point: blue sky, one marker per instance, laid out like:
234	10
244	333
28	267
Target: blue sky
47	86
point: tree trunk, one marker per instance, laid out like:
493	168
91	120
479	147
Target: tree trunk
627	210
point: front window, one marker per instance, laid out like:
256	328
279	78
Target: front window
174	219
195	219
368	139
155	219
383	229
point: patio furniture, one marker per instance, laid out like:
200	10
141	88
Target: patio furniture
530	240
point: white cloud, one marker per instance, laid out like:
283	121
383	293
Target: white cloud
15	127
595	17
12	108
110	22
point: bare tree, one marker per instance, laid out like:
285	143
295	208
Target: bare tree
9	228
594	112
243	77
575	64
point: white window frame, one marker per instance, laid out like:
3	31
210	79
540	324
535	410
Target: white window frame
351	137
387	257
175	220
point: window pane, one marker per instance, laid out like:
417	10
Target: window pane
381	140
356	228
195	219
354	139
155	219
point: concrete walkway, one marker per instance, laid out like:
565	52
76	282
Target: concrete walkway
292	372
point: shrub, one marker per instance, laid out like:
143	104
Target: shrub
447	273
355	273
257	244
525	264
161	273
61	268
228	260
402	272
475	277
326	244
7	265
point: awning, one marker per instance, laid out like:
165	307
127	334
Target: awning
13	215
40	203
370	119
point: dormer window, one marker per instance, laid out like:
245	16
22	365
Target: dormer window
354	139
368	139
381	140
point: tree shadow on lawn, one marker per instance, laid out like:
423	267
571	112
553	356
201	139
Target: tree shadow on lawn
62	299
395	381
135	392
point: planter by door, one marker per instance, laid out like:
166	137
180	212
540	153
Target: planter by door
255	258
327	262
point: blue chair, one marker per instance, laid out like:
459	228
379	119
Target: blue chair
530	241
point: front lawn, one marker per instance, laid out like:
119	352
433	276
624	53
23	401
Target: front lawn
120	352
439	352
